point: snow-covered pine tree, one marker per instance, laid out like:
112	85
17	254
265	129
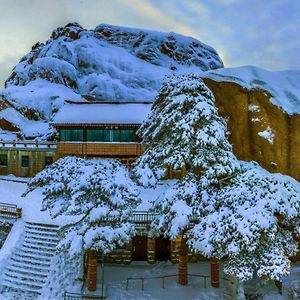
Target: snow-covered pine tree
184	130
93	198
252	222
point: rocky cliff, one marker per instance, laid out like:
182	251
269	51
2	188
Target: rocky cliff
262	110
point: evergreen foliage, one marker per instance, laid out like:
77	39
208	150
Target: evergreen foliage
184	130
252	222
95	198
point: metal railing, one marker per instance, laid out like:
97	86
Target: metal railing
28	144
74	296
142	279
10	211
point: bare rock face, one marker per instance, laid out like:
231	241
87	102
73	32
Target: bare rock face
258	129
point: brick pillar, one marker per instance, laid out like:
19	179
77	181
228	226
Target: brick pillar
214	272
151	250
92	271
183	256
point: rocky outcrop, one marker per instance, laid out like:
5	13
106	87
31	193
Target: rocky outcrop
258	129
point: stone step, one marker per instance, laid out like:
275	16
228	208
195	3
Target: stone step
34	254
20	285
30	267
32	257
39	226
39	232
42	238
26	278
30	262
45	244
34	247
20	270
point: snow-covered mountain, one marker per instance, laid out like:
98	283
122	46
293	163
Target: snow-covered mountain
107	63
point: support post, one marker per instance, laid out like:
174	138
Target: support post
92	271
214	272
183	255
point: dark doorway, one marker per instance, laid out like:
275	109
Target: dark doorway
162	248
139	248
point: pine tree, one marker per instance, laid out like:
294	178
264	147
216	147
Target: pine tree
94	198
184	129
252	221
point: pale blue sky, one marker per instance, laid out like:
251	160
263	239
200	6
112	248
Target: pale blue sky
264	33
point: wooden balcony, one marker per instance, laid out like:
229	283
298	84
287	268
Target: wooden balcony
100	149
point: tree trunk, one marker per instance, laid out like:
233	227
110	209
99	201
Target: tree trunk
183	255
240	291
92	271
214	272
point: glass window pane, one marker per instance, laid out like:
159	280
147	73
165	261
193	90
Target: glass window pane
25	161
3	160
116	135
107	136
94	135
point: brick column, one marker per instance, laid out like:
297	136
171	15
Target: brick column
183	256
92	271
151	250
214	272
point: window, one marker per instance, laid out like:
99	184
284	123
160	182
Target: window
48	160
3	160
128	135
111	135
94	135
71	135
24	161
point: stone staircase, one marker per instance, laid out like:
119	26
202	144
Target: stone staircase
29	265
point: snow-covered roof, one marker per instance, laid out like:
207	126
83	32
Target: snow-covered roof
102	113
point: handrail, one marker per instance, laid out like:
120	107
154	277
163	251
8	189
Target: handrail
74	296
10	211
142	279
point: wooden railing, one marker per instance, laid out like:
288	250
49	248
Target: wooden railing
73	296
10	211
28	144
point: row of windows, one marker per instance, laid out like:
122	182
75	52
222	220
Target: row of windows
98	135
24	160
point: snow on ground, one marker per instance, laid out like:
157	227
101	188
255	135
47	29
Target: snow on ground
116	275
282	85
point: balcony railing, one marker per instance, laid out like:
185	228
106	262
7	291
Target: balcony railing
142	219
27	144
10	211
